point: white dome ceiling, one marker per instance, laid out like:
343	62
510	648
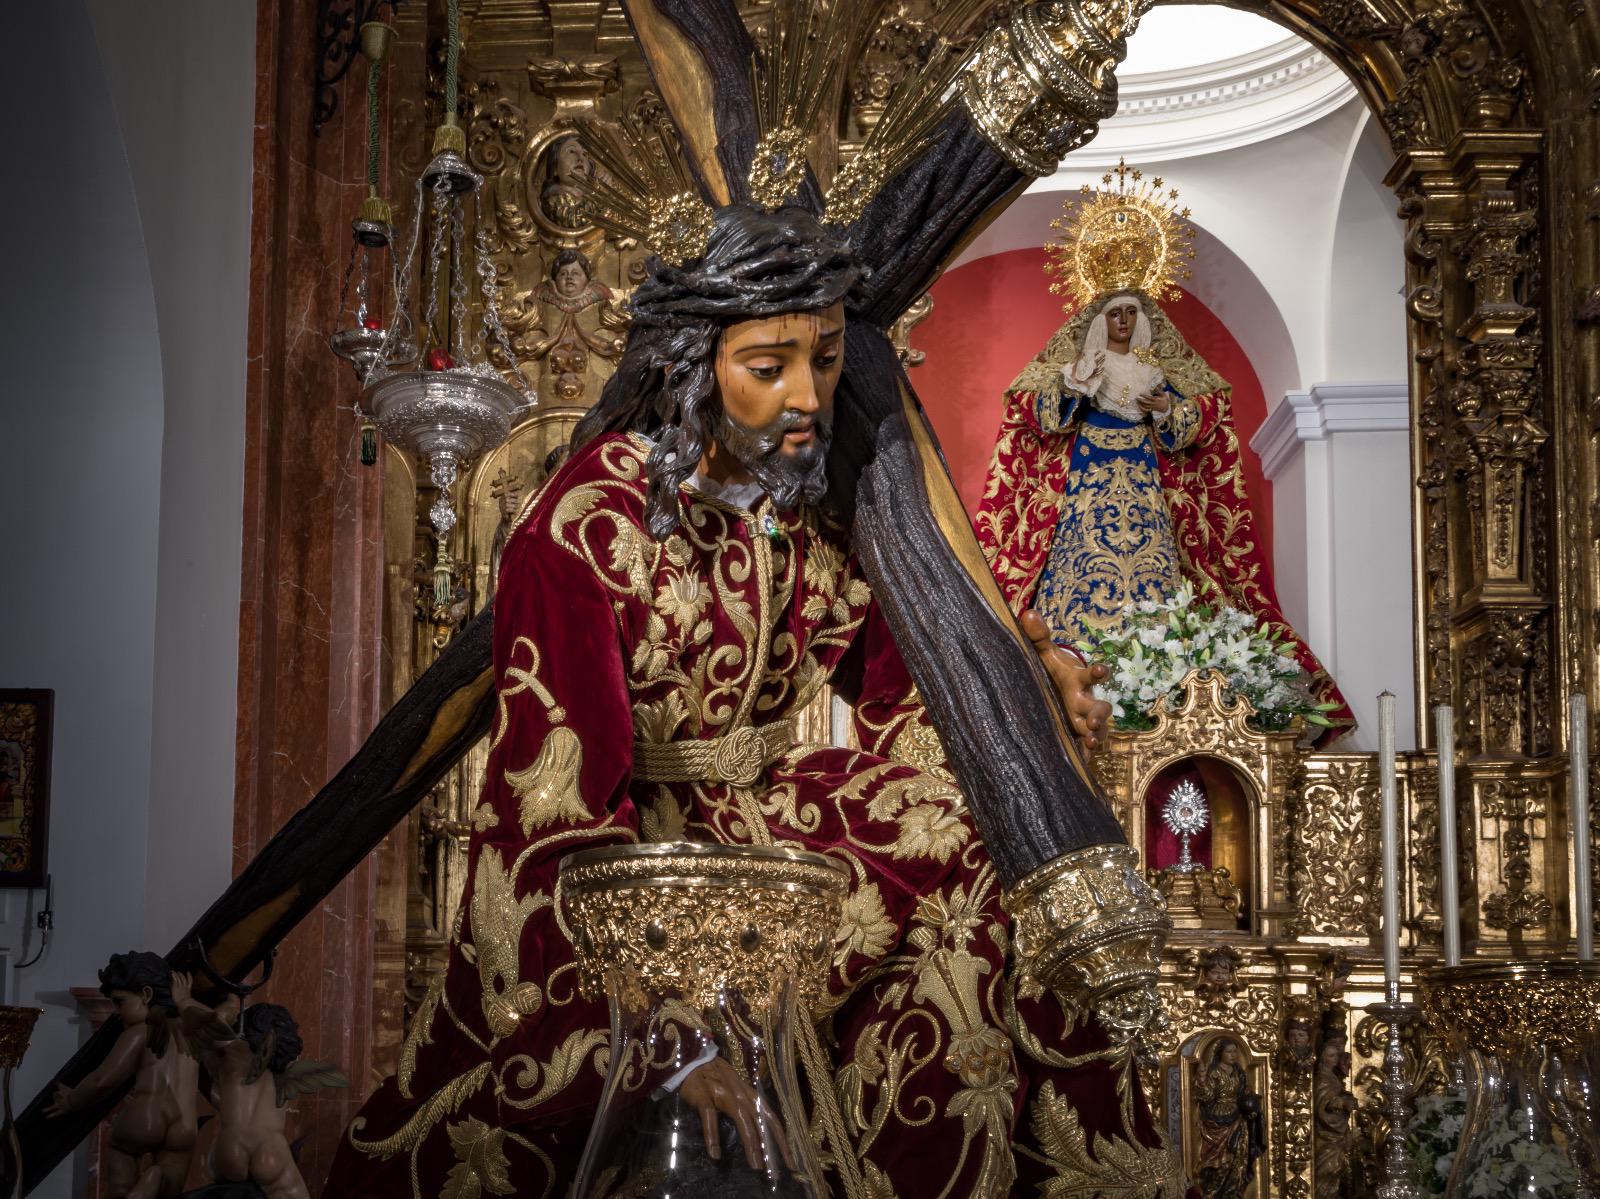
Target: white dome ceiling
1180	37
1200	78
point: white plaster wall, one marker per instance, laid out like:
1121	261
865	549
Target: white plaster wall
80	422
1371	582
1366	335
126	239
182	76
1338	457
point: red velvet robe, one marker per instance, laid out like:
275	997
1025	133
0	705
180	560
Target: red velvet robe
604	637
1211	519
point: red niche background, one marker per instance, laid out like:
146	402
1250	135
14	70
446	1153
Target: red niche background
992	315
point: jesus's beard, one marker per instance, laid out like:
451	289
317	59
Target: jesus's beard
786	478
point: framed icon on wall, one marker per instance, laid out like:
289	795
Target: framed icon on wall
24	785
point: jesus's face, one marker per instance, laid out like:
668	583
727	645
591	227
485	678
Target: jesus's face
775	379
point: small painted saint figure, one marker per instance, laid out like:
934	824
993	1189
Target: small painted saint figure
1231	1134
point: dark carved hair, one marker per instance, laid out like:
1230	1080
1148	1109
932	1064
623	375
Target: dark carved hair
263	1020
567	257
756	264
134	971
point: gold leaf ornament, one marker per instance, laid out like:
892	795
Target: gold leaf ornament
498	918
481	1163
1116	1169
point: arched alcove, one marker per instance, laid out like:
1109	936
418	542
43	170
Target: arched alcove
1229	839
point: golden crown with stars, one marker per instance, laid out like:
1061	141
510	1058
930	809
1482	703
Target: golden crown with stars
1126	235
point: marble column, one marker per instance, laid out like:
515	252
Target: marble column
312	575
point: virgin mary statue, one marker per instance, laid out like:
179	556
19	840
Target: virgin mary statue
1116	476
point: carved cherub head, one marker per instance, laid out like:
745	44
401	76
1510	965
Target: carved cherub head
1216	973
570	273
1299	1035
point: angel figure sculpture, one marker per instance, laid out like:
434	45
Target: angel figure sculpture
255	1072
157	1122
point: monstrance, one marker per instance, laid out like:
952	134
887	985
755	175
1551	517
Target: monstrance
1186	814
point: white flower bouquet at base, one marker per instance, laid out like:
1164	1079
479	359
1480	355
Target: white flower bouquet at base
1161	641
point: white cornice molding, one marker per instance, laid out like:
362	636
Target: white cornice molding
1324	410
1165	115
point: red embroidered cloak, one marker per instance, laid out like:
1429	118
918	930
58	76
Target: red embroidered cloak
949	1077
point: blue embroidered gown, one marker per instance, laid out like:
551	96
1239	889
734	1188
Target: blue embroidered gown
1113	542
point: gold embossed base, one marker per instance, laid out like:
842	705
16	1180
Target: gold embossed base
16	1030
1089	927
690	919
1529	1035
703	952
1200	898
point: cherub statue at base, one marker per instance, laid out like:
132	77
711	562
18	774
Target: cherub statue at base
254	1074
157	1121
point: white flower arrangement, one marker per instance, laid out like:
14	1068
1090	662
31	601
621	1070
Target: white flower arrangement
1506	1164
1161	641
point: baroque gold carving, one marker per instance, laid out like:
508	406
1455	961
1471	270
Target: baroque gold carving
1503	1008
1335	847
1516	804
689	919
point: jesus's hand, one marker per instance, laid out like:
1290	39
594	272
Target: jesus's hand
1074	681
716	1089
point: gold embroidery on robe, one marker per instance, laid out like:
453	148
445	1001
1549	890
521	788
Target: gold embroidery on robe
481	1163
1113	1169
497	920
548	790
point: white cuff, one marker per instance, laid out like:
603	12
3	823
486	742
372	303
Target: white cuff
707	1054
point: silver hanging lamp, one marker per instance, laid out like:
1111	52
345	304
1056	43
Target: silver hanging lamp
362	338
457	405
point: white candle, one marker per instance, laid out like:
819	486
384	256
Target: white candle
1391	845
1581	890
1444	729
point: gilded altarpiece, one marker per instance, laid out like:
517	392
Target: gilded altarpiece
1491	111
1284	965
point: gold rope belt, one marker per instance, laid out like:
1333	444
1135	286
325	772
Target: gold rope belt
738	757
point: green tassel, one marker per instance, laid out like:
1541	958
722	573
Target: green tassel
441	580
369	443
